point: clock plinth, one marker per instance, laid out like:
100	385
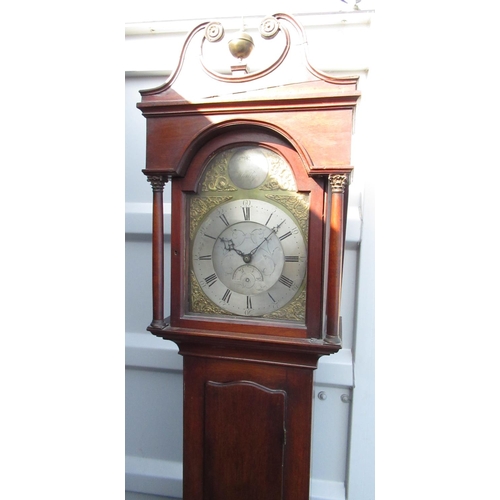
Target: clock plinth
247	413
259	165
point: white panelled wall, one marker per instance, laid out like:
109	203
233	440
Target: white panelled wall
343	427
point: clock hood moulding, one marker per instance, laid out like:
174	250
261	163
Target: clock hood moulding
193	80
288	95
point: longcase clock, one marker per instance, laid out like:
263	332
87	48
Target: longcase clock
258	157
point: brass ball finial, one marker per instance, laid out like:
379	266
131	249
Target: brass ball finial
241	45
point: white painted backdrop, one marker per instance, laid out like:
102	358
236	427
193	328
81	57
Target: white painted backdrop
339	39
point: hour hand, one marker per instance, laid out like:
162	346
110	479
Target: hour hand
229	245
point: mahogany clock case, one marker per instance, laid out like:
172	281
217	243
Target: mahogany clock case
248	378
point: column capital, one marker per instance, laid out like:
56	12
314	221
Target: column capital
157	182
338	182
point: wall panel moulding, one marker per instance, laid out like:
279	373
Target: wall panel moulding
307	20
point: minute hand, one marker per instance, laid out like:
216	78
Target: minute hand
274	230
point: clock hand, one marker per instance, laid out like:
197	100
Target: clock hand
274	230
229	245
247	257
278	226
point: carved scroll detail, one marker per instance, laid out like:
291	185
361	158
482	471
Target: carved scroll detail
214	31
269	27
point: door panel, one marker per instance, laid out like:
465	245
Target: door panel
245	457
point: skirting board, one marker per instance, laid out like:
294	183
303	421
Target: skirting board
164	478
156	477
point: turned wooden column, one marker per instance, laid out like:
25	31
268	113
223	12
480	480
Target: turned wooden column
157	184
338	183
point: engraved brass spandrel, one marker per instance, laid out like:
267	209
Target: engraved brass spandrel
294	310
297	205
200	303
280	176
216	177
199	208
